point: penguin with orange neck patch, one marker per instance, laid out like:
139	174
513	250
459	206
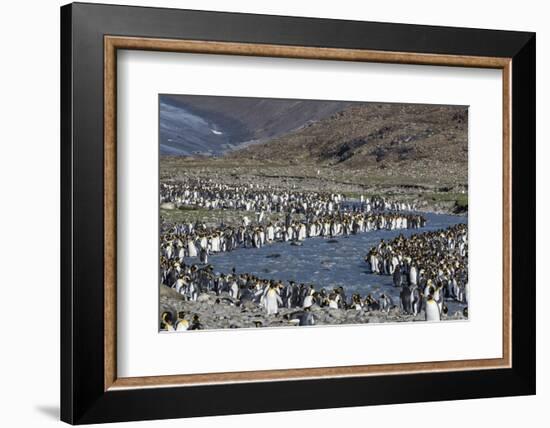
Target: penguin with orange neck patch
181	323
166	322
272	300
432	310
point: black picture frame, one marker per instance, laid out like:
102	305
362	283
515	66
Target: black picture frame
83	398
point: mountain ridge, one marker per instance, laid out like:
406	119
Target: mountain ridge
214	125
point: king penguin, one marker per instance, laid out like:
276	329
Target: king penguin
406	303
272	300
182	324
166	322
432	310
416	301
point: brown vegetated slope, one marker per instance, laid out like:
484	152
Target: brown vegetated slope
376	136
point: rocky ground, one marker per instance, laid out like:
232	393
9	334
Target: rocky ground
219	312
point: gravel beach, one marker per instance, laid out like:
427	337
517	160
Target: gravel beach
221	312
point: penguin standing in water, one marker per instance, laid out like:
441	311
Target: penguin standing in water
203	256
372	260
191	247
272	300
432	310
302	232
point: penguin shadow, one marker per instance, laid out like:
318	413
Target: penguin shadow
51	411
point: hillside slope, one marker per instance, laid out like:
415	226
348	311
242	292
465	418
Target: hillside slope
377	136
213	125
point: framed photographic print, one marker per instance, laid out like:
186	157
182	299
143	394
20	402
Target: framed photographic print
292	213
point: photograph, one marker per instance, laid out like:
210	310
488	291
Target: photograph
275	212
292	212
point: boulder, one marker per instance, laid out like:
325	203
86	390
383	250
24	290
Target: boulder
168	206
